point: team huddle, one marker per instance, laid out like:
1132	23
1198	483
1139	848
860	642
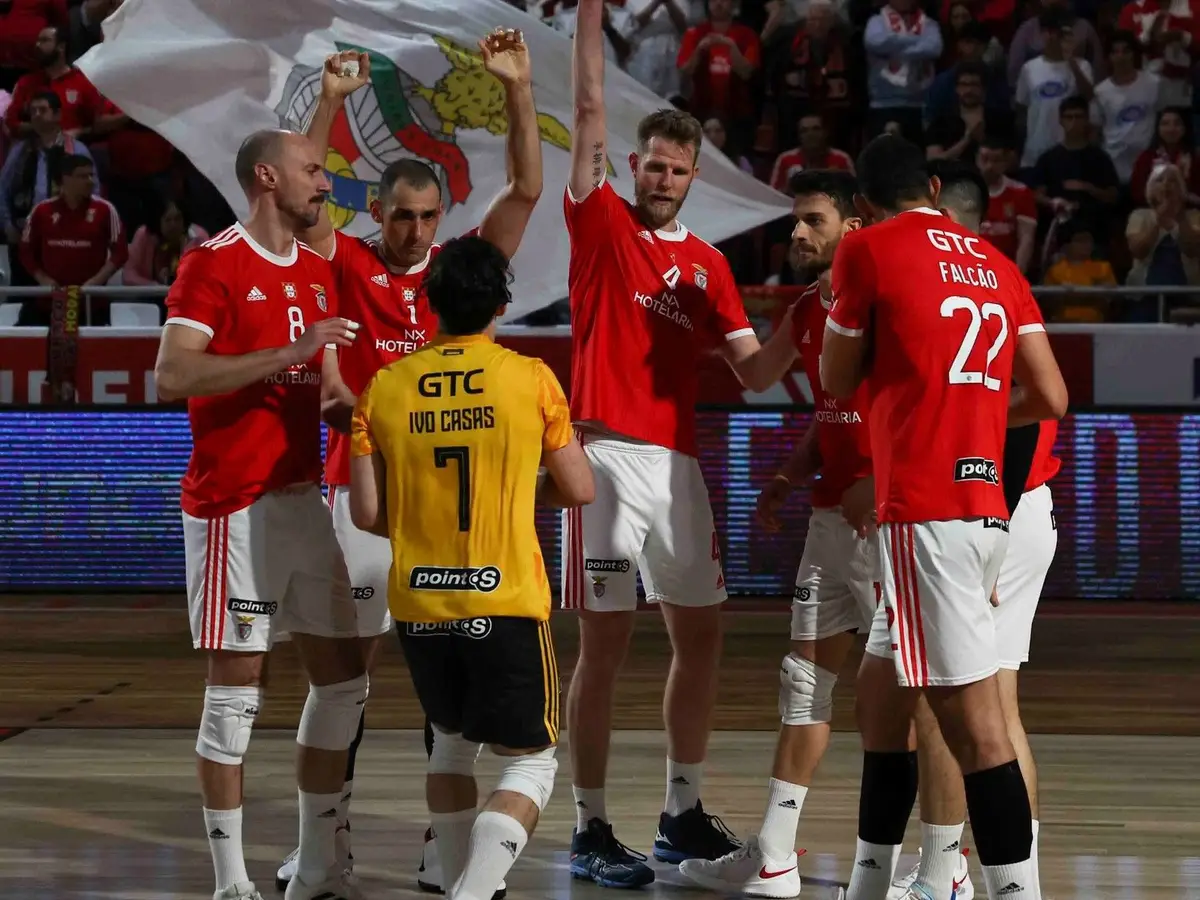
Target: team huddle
936	396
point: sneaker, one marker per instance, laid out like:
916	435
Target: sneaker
747	871
693	834
243	890
962	887
291	864
596	855
429	873
342	886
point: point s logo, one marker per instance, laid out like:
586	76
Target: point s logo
949	242
441	578
448	384
976	468
476	629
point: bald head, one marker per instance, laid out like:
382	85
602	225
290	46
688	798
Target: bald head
262	147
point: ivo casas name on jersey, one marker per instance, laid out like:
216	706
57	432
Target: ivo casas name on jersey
439	385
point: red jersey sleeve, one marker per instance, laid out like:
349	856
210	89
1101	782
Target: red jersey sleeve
687	46
199	296
31	241
1026	206
750	47
118	247
1028	313
853	286
728	313
588	219
343	254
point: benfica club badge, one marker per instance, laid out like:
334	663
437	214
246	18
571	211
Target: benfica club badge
245	626
322	304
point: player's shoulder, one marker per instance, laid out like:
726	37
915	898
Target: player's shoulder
698	249
1016	188
44	208
103	205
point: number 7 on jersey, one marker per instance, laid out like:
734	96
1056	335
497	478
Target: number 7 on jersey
442	457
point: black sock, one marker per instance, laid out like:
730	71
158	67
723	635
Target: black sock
998	803
428	738
350	757
889	791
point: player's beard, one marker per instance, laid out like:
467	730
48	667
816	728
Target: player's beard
657	215
812	267
304	216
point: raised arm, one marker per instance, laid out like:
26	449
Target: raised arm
343	74
588	140
506	56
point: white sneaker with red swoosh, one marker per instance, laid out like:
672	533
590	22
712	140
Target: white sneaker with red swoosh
962	888
746	871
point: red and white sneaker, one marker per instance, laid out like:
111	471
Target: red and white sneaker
748	871
962	890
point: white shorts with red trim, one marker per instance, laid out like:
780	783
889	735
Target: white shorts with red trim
369	561
935	619
270	568
651	516
837	579
1032	541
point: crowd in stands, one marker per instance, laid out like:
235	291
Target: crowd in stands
1078	113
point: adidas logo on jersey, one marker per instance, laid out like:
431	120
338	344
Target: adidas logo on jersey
380	279
255	294
646	236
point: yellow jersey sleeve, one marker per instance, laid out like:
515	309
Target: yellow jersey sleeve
360	423
556	412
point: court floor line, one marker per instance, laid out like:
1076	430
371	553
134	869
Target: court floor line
7	734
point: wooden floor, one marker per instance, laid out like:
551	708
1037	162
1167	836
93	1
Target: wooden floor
98	709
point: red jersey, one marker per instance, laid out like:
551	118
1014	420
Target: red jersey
80	100
267	435
789	162
945	310
645	305
842	436
72	245
1175	59
1010	204
1045	464
716	89
394	318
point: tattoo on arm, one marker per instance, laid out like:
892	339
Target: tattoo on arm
597	164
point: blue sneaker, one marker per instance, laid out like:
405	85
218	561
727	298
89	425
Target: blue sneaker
596	855
693	834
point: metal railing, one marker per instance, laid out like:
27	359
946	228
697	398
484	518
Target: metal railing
151	293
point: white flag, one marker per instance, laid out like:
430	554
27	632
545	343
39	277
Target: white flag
206	73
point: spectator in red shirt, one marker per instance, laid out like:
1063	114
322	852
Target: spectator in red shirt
814	152
74	239
81	102
20	23
719	57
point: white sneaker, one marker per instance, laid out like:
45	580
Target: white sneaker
962	889
747	871
243	890
429	873
291	862
342	886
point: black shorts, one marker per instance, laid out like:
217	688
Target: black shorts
494	680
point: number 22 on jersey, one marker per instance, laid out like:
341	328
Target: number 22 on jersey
977	314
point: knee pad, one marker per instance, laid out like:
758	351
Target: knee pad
225	726
452	754
331	714
805	692
531	775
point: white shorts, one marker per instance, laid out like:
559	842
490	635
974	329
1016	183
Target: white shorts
836	582
1032	540
272	567
651	516
935	619
369	560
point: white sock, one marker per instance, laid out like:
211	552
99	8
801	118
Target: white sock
777	837
453	831
496	842
941	846
589	804
318	829
1033	858
224	827
683	786
1013	882
874	868
343	806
